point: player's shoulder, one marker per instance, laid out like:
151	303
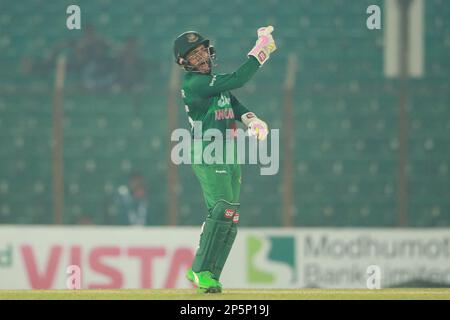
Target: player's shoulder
194	82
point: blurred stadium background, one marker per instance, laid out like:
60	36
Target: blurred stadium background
357	160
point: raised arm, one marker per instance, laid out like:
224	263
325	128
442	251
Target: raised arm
209	85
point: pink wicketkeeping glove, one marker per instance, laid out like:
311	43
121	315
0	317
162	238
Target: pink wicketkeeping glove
264	46
256	127
267	31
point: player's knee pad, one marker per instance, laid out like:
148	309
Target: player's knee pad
225	211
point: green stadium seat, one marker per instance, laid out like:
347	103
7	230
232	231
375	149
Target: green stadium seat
346	113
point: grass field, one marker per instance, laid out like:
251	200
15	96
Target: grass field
231	294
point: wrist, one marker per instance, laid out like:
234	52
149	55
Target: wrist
260	51
248	117
261	54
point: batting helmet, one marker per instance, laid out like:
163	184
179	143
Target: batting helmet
185	43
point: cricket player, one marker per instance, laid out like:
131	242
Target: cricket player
208	100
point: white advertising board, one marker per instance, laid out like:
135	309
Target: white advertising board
38	257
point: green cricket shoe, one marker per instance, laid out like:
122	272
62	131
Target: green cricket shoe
190	277
204	281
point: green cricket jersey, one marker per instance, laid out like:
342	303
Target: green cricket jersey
208	99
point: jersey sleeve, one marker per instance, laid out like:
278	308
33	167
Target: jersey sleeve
238	108
209	85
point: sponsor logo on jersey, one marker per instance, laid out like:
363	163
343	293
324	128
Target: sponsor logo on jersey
223	101
236	218
212	81
226	113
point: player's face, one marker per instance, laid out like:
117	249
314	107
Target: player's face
199	58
